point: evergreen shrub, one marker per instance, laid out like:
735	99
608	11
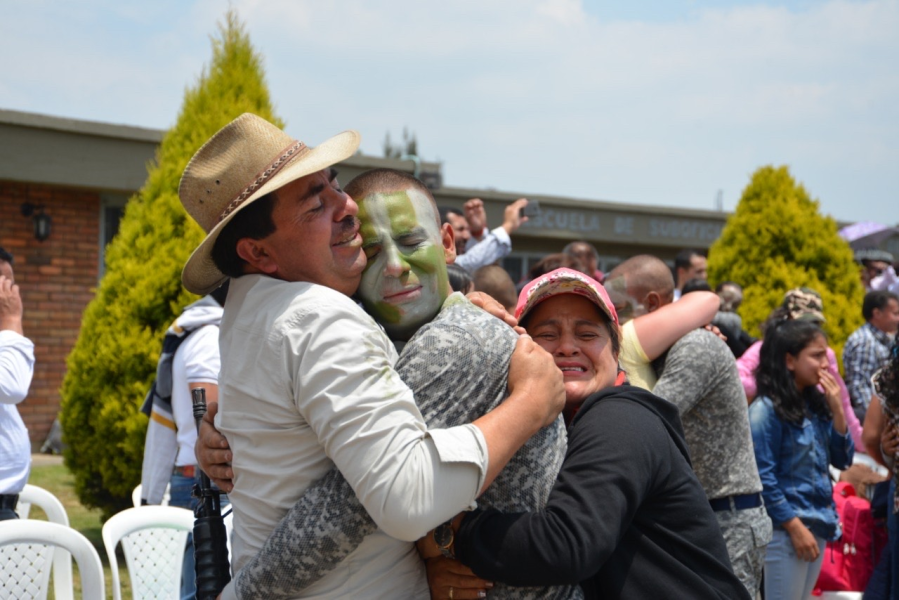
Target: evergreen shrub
777	240
114	360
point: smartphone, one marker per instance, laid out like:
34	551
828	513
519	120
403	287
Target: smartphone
532	209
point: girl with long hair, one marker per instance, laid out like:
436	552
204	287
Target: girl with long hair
797	432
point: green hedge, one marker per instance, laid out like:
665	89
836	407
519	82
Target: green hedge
777	240
114	359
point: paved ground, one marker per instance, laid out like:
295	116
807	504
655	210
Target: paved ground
46	459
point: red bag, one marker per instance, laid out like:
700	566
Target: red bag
849	561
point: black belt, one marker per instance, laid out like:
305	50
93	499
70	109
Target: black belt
741	502
9	501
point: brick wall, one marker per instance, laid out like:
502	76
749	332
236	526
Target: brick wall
57	278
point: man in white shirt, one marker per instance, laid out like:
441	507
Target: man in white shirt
189	360
307	380
477	246
16	370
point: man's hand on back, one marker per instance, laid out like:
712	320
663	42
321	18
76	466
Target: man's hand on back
534	372
213	452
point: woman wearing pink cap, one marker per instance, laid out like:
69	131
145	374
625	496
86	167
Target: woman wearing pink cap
627	517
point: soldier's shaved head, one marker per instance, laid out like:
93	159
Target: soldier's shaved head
644	274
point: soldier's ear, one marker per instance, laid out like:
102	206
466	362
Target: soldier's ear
448	236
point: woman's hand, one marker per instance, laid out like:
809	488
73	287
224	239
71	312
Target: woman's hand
804	542
448	578
834	400
831	390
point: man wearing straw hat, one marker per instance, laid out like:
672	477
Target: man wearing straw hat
307	377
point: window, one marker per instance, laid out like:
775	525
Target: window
112	208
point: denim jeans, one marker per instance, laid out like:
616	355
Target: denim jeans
180	490
786	576
8	514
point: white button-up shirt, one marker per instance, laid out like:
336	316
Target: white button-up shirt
307	383
16	369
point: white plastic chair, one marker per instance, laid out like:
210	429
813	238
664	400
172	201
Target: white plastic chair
136	493
50	504
27	539
12	560
153	539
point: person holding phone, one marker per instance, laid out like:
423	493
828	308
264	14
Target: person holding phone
477	246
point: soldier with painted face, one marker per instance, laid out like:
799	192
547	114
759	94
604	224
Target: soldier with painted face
455	358
307	380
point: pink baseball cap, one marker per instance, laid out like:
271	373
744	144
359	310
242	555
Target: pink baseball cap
565	281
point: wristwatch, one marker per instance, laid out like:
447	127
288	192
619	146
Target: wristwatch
444	538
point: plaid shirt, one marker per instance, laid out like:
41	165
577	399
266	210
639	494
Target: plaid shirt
866	350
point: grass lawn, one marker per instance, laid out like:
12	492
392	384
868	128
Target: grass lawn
57	480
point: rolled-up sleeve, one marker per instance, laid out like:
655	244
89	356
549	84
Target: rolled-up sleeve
495	245
16	366
408	478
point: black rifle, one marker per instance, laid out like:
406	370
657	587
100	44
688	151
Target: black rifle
210	537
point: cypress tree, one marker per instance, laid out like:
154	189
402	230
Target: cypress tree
777	240
114	360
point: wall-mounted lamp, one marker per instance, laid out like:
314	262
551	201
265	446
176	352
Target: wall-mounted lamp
40	220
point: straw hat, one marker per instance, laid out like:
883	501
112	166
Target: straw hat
248	158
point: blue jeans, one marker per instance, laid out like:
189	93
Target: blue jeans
787	577
180	490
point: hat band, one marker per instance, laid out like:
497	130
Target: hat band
266	174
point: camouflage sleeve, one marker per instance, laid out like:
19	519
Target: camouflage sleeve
318	532
328	522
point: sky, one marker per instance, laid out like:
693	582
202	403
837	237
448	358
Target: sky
657	102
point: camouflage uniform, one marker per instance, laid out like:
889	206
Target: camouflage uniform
457	367
700	376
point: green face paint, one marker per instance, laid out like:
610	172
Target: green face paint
405	282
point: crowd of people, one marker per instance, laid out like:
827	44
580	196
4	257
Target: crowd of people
392	415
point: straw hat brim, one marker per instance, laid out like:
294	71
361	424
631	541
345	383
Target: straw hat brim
200	275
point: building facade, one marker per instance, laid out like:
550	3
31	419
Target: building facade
81	175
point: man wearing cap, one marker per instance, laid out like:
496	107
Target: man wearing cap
868	348
876	269
698	374
451	349
16	370
307	380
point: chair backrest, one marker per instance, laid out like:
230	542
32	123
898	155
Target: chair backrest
153	540
50	504
136	493
27	538
33	495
